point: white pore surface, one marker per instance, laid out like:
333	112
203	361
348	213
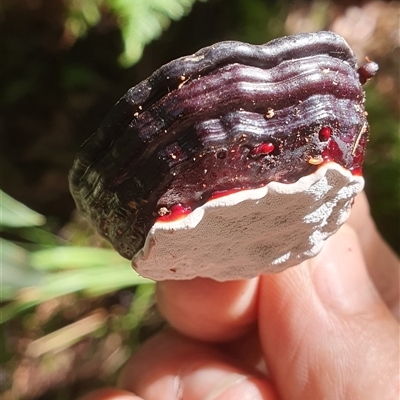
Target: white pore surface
251	232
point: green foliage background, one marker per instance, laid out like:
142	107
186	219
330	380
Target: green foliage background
65	63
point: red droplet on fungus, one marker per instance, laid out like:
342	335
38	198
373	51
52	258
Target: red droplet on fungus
177	211
332	152
325	133
264	148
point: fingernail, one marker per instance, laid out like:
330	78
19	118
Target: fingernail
223	385
215	383
234	386
340	276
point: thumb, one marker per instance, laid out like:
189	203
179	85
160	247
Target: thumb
325	332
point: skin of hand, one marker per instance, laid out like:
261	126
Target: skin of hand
326	329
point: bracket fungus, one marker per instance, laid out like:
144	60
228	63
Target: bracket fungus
235	161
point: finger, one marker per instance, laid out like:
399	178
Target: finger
325	332
171	367
209	310
247	351
383	264
110	394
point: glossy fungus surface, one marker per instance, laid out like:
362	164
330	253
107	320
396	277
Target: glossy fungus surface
231	118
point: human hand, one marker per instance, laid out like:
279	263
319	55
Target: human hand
326	329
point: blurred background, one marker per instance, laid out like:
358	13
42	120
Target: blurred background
72	311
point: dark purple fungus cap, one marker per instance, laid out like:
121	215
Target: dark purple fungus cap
234	161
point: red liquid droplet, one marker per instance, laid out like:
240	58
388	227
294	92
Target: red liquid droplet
325	133
177	211
333	153
264	148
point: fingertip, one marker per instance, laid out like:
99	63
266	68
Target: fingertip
326	315
208	310
340	277
360	212
170	366
382	262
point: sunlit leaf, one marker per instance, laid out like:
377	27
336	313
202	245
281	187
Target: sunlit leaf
16	271
35	236
89	281
15	214
141	21
82	14
144	297
67	336
144	20
74	257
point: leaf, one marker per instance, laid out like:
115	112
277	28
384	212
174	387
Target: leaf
75	257
15	214
32	237
144	20
141	21
91	281
144	297
16	272
67	336
29	279
82	14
